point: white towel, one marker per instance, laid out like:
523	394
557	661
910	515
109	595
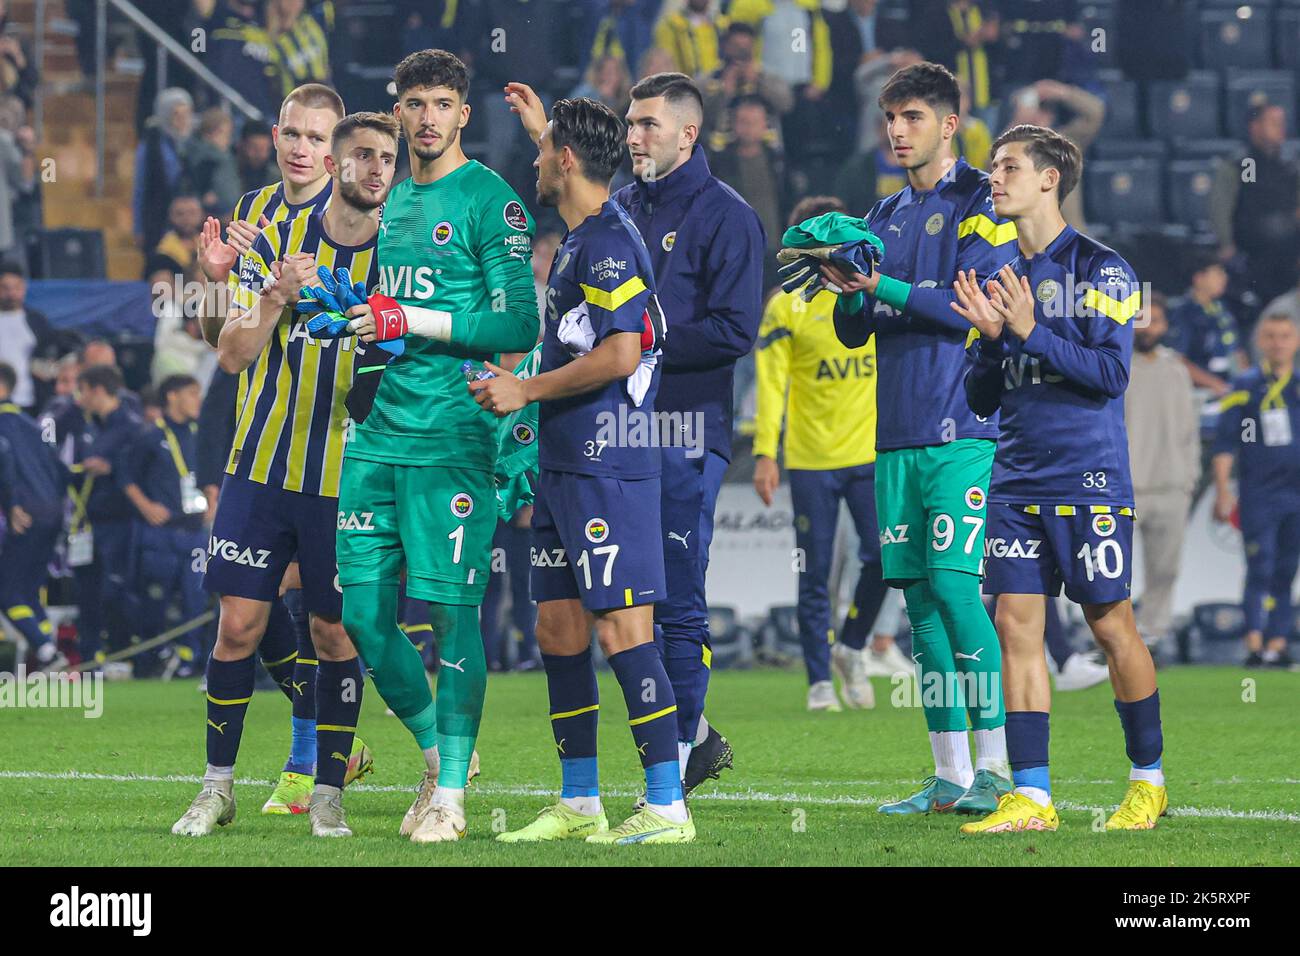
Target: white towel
576	334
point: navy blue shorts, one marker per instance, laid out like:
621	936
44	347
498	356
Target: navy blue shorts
1090	554
259	529
597	540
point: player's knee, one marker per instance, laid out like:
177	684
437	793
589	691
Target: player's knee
239	631
331	640
1113	626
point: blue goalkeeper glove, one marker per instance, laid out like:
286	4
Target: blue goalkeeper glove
328	303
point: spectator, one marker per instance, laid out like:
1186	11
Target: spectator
18	74
655	60
160	164
858	36
1036	35
607	81
959	34
865	179
178	346
180	242
623	28
28	343
1258	431
753	167
240	51
158	479
25	198
99	538
870	78
690	37
213	171
1163	420
254	157
1204	332
1070	110
740	75
31	501
973	139
299	44
1254	204
17	181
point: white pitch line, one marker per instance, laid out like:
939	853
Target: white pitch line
744	796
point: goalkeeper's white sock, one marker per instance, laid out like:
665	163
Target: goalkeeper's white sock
951	749
991	752
431	759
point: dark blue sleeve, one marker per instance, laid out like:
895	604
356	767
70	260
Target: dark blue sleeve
8	475
132	461
734	305
216	428
984	378
1232	411
1105	311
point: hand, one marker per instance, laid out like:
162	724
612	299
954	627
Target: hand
528	105
1014	301
812	92
216	258
1051	90
241	234
97	466
500	395
1219	387
362	322
850	282
1225	503
19	520
154	513
212	493
974	306
767	476
297	269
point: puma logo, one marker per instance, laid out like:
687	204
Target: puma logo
219	728
338	756
456	667
674	536
969	657
895	227
298	686
641	749
560	746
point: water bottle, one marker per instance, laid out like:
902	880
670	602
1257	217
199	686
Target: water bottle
475	373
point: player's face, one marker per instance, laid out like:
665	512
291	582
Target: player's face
365	168
550	175
431	118
1015	185
916	133
1147	336
657	139
302	141
1278	340
183	405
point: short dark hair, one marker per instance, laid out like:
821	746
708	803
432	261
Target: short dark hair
740	28
315	96
1199	261
254	128
931	83
107	377
8	377
811	206
751	99
675	88
12	269
175	383
1046	147
430	68
385	123
595	134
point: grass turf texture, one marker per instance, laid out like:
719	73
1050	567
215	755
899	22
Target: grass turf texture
804	791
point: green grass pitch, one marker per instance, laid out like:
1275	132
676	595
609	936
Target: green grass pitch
76	791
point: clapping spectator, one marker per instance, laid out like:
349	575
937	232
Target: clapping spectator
607	81
740	75
160	164
213	170
1204	332
1070	110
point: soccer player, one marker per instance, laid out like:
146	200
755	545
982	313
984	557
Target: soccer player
301	139
279	497
596	530
830	451
1257	429
454	248
1052	339
934	455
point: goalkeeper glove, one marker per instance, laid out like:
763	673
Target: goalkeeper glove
393	320
801	268
328	302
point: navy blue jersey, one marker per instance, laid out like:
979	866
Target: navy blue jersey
1207	336
37	479
1260	424
1061	390
921	351
163	454
110	438
601	282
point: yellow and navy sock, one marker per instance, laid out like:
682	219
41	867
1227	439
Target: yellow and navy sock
230	688
1028	733
279	648
652	714
338	706
575	711
1143	738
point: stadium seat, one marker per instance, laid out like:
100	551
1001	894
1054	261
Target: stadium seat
1201	148
1246	88
1123	191
1130	149
781	632
1188	183
1214	635
1235	36
1121	97
1186	109
729	641
1286	36
69	254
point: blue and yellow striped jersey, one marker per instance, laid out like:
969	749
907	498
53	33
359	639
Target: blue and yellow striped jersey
825	392
269	201
292	420
301	54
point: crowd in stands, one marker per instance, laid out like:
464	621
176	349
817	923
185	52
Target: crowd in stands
790	89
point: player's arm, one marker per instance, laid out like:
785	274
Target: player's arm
219	261
615	358
984	381
772	366
734	304
1227	442
259	300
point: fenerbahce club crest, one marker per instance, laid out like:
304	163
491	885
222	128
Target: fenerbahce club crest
597	530
1104	525
462	506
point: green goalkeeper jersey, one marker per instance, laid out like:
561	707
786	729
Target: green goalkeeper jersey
516	470
463	245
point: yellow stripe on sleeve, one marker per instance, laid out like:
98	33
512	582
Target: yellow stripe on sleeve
610	301
1233	399
1120	311
20	612
994	233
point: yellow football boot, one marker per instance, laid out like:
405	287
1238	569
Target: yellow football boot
1143	805
1016	813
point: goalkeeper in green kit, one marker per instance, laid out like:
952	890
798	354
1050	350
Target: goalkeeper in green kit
417	492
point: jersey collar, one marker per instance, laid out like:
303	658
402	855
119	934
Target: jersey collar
686	180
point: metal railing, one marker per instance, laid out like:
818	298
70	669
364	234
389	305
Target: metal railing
167	46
